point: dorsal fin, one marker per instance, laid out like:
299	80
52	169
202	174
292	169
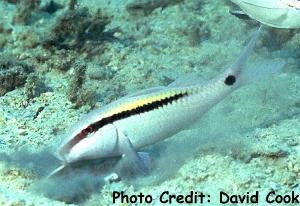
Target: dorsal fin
187	80
146	91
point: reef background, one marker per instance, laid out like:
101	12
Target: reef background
60	59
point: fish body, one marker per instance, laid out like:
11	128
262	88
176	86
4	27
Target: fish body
149	116
152	117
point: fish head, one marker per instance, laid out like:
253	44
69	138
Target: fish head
88	143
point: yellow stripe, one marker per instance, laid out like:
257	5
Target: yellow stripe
139	102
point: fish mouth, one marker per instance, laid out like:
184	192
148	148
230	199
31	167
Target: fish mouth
65	159
63	155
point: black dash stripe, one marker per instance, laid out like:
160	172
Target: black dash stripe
138	110
121	115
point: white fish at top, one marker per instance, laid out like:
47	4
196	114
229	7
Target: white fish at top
274	13
123	127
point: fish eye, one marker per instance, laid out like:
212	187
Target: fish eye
230	80
87	130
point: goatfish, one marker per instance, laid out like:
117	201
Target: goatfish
124	126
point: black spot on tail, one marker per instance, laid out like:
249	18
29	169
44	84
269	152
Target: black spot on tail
230	80
121	115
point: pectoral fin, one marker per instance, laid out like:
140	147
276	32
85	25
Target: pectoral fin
136	161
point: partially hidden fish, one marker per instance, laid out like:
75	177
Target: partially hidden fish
123	127
274	13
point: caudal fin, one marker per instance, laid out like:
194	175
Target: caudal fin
261	70
240	63
257	70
